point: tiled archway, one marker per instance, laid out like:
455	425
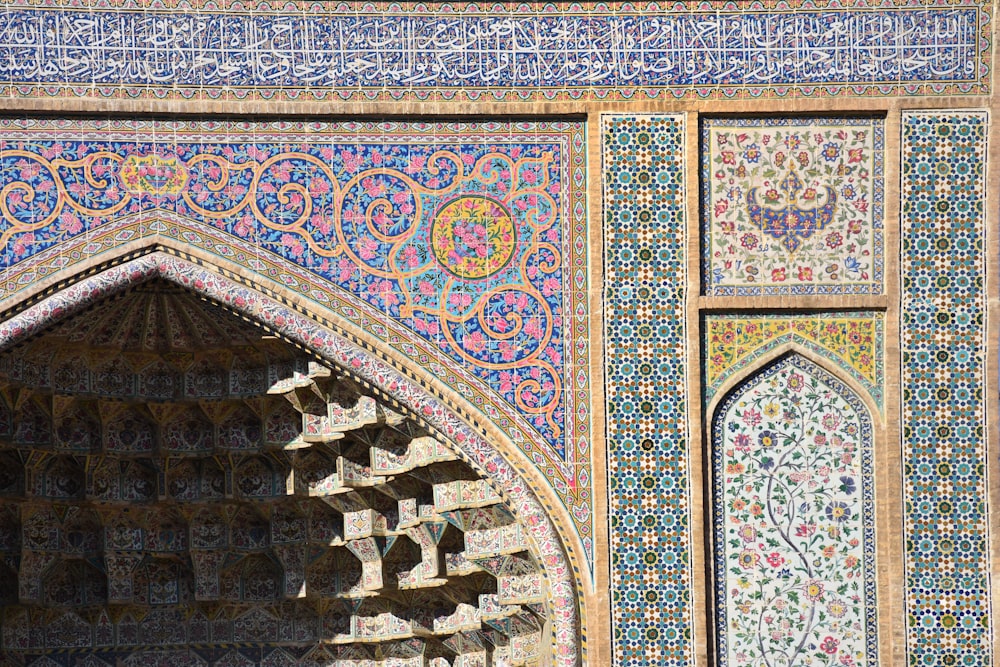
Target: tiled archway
191	486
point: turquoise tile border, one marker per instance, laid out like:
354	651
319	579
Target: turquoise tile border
943	333
645	355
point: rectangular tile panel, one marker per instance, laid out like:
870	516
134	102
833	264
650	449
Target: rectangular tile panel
792	205
326	50
943	333
794	520
645	355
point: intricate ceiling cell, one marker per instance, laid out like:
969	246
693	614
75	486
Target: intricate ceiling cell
171	477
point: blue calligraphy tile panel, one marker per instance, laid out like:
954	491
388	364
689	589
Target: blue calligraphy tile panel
645	356
406	50
943	346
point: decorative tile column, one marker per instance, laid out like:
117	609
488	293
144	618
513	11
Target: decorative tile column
943	332
645	352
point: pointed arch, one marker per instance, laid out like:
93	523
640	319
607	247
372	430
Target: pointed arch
794	347
366	368
793	508
223	259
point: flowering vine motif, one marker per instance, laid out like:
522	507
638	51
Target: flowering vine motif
853	341
794	537
792	206
455	232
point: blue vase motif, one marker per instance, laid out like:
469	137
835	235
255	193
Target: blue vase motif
791	218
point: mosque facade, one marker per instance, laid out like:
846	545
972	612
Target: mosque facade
412	334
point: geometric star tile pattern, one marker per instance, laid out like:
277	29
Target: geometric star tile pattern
792	206
944	415
645	345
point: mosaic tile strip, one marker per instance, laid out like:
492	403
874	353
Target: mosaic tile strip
463	245
852	341
645	344
792	206
943	333
236	50
567	638
794	521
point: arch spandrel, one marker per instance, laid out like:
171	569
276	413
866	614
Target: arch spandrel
793	511
502	336
868	393
283	556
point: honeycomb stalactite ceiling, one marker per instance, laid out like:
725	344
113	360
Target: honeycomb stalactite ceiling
174	482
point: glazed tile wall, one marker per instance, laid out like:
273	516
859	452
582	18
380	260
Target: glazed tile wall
854	342
645	357
792	206
794	521
461	245
322	50
943	410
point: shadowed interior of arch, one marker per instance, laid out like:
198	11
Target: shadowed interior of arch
174	477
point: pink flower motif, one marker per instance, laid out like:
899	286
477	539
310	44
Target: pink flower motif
367	248
533	327
460	299
293	243
373	188
508	380
507	350
351	161
830	421
751	417
829	645
69	222
774	559
416	165
805	529
23	243
426	288
475	342
346	269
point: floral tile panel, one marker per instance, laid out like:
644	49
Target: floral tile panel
794	521
854	342
792	206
